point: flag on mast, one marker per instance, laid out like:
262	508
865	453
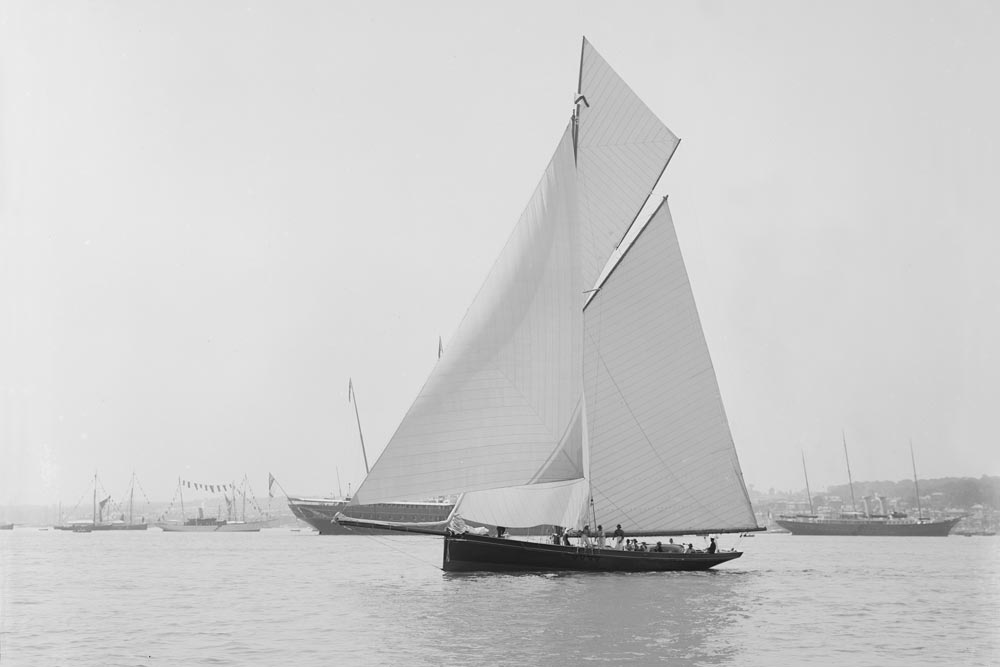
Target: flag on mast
270	484
440	347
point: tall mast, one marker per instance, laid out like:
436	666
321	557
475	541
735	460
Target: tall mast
352	397
916	486
850	482
131	492
94	517
180	489
808	492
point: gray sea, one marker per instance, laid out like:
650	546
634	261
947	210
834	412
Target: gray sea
281	597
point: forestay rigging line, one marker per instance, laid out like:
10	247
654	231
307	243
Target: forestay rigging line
405	553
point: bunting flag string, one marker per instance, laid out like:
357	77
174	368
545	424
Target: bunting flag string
211	488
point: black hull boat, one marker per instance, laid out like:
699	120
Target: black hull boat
476	553
869	527
578	394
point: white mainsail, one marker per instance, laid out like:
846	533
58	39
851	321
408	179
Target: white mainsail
504	419
503	400
662	457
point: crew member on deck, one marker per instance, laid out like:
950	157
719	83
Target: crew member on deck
619	537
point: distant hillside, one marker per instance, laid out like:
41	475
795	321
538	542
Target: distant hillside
957	491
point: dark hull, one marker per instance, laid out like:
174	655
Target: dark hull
320	513
90	528
473	553
868	527
327	526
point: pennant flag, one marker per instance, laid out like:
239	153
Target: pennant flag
270	483
440	347
350	389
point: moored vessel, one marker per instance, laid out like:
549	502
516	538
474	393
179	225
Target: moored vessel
867	523
320	513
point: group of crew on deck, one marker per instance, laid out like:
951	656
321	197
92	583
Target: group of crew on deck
599	541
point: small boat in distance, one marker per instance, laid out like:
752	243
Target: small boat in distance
867	523
206	524
578	392
98	522
6	526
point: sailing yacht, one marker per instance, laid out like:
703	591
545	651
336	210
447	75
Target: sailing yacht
98	522
868	523
578	391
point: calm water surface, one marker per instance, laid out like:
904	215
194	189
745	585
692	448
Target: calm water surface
281	597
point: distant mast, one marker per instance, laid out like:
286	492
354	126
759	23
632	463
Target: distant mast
916	486
850	482
353	398
808	492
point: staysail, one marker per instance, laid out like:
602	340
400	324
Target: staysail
662	458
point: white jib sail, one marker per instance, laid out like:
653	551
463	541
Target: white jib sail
661	453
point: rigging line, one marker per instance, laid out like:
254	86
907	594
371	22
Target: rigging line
645	437
615	505
388	545
142	490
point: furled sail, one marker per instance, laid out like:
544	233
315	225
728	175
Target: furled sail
556	503
506	398
662	457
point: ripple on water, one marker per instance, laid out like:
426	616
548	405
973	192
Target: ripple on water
282	598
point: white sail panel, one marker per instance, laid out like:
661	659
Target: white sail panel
661	453
622	149
504	399
554	503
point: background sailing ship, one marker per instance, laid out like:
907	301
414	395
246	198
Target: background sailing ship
321	513
234	520
102	513
578	389
883	522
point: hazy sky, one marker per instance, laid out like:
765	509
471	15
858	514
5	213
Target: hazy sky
213	214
